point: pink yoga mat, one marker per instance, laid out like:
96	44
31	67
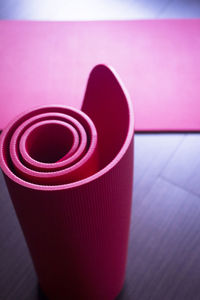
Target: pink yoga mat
69	173
159	60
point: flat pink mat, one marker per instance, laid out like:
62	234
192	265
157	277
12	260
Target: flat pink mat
159	62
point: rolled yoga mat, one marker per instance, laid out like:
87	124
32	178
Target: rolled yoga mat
69	173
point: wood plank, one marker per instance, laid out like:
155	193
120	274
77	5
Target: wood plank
163	261
181	9
79	10
183	168
152	152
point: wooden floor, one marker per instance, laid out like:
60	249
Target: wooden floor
164	249
163	261
98	9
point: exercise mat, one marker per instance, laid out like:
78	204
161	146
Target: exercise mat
159	61
69	173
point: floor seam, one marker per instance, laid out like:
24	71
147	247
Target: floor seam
172	154
179	186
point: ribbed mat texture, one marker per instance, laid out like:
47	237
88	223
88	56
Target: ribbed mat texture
69	173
